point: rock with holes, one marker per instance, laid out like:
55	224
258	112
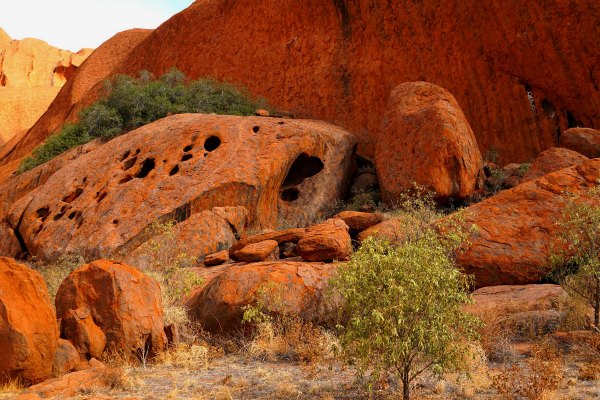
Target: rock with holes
28	329
326	242
426	140
279	170
516	231
121	301
551	160
255	252
294	288
216	258
582	140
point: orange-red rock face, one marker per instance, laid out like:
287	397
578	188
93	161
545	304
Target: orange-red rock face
521	71
31	74
66	105
28	329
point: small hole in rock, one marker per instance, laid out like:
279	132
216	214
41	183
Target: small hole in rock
302	168
115	222
58	216
72	215
186	157
137	151
101	196
147	166
290	195
212	143
125	155
256	129
188	148
174	171
124	180
42	212
73	196
129	163
281	122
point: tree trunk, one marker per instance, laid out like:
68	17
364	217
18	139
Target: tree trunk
406	384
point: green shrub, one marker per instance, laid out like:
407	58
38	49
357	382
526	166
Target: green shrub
403	305
578	268
130	103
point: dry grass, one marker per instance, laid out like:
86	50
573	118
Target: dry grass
9	388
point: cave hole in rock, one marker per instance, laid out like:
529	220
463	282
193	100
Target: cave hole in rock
73	196
188	148
125	155
174	170
548	108
60	214
256	129
572	122
43	212
303	167
147	166
212	143
364	164
289	195
186	157
530	97
129	163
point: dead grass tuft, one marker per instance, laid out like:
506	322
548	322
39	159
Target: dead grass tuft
116	378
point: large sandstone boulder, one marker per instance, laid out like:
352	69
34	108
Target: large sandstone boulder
582	140
293	288
341	65
175	168
516	230
114	301
552	160
28	329
326	242
426	140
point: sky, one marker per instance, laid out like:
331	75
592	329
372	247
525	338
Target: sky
75	24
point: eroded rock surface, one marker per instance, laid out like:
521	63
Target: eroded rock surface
178	167
582	140
552	160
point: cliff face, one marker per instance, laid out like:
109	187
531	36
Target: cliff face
31	74
522	71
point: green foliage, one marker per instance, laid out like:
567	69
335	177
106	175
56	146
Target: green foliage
403	305
54	273
522	170
577	268
130	103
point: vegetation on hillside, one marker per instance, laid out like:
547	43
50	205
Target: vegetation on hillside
133	102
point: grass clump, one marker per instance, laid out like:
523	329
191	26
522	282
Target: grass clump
130	102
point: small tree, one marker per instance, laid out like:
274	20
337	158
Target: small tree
578	268
403	306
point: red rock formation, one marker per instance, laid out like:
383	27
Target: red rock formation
120	300
66	359
426	141
516	229
326	242
31	74
582	140
359	221
68	102
519	70
28	329
279	170
552	160
294	288
216	258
